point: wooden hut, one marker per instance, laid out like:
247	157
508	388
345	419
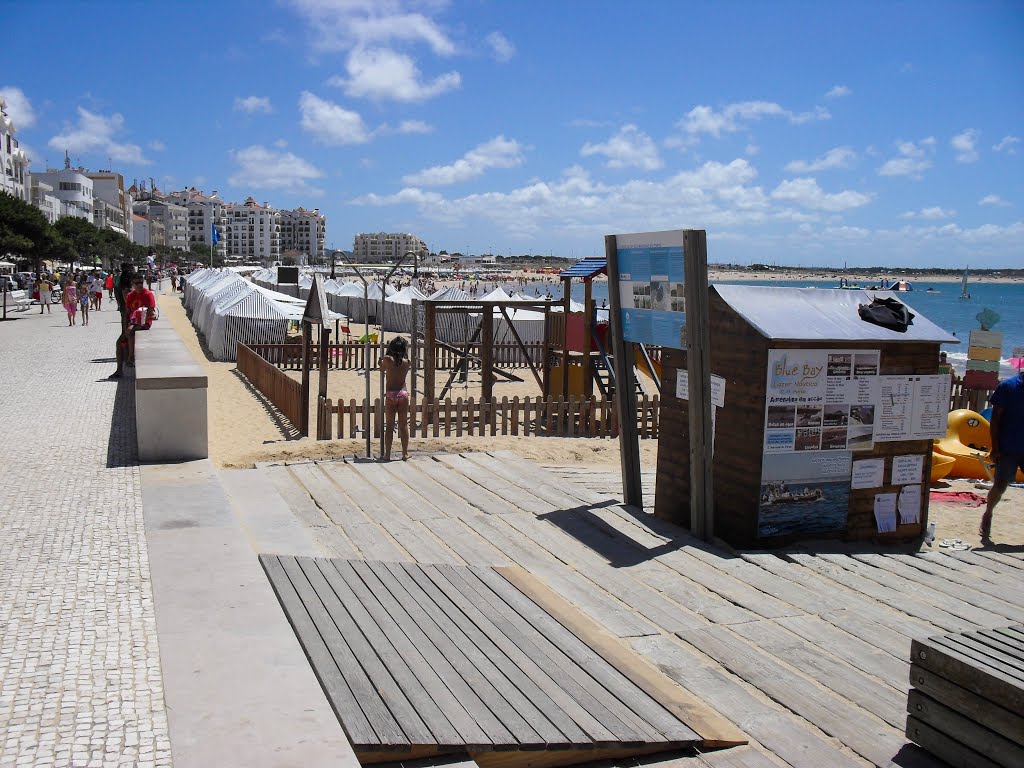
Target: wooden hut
826	420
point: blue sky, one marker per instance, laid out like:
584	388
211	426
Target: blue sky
794	133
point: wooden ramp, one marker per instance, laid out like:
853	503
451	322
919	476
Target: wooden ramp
420	660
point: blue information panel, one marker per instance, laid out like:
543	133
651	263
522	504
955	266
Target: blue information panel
651	279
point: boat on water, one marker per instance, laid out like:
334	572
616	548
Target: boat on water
964	295
779	493
901	286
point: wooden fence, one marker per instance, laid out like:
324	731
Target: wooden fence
557	417
278	387
973	399
351	356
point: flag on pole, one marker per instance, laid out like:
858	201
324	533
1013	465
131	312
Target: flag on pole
215	237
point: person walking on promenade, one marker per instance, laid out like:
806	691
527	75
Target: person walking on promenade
1007	428
108	283
44	295
395	367
70	297
84	298
140	307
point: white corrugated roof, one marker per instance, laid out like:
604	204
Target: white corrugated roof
821	314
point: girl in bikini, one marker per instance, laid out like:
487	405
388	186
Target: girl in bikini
70	297
395	367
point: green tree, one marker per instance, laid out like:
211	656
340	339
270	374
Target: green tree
24	230
84	238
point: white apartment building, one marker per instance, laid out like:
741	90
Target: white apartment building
141	231
381	246
42	197
168	218
252	232
108	186
13	160
204	211
72	187
304	232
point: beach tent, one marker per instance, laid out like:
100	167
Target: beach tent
249	317
398	310
339	298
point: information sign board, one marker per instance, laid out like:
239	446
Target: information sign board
651	279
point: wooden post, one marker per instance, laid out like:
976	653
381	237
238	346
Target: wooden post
698	360
429	351
487	353
566	298
307	362
325	348
588	328
545	363
625	386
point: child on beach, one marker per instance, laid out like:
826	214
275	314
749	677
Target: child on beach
83	300
70	297
395	367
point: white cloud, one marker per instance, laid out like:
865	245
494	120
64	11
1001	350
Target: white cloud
628	148
837	92
913	159
501	48
95	134
281	143
995	200
933	213
1006	144
703	119
262	168
840	157
330	123
964	144
19	108
253	104
806	192
341	24
382	73
157	146
751	149
415	126
499	152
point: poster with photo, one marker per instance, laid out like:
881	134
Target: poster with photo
820	400
804	493
651	280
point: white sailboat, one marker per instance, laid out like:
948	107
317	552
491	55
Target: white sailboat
963	287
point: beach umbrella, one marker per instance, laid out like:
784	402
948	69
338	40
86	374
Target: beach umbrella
1017	363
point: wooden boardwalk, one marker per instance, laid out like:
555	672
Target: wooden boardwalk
807	653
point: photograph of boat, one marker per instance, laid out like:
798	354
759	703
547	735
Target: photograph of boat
807	492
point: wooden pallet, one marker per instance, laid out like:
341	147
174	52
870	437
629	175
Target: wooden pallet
967	701
421	660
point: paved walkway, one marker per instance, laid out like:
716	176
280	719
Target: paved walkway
80	680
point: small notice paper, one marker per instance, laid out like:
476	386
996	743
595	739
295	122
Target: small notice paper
717	387
910	504
907	470
868	473
885	512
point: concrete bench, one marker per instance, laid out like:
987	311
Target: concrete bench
170	398
19	300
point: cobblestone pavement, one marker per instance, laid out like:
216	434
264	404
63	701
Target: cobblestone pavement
80	681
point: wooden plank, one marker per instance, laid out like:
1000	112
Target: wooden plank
466	543
737	757
938	743
654	715
377	658
972	735
410	504
977	567
496	484
790	738
385	726
830	671
965	669
422	684
955	590
303	507
882	594
969	704
963	574
592	681
538	484
863	733
524	717
453	649
712	728
542	651
911	588
529	698
996	658
525	659
375	597
343	700
484	500
853	649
